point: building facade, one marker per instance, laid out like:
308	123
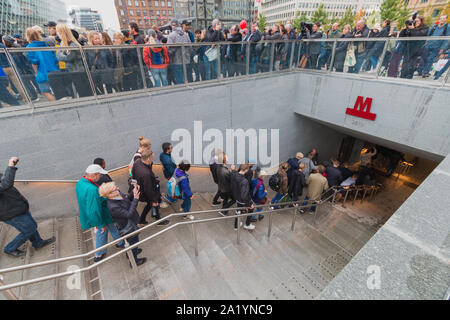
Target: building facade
145	13
86	18
277	11
18	15
433	8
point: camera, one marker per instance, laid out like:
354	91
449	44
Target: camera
133	182
304	27
409	23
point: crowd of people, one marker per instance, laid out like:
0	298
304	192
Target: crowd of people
61	74
107	209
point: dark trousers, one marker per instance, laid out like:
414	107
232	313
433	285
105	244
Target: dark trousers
155	212
27	227
247	220
5	95
228	200
131	241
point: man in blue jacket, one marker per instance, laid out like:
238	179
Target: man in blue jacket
434	48
14	210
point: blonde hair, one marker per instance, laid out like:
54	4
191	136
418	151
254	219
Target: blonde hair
119	35
33	34
106	189
66	35
144	143
91	36
38	28
106	39
299	155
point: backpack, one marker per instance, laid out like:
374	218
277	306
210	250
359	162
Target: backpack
258	185
274	182
434	29
173	189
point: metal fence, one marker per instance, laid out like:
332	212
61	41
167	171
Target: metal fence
38	77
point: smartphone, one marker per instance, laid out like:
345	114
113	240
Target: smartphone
16	161
133	182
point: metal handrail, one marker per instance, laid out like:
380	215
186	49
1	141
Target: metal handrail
128	248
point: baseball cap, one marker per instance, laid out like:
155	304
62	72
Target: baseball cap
95	168
50	24
186	22
17	36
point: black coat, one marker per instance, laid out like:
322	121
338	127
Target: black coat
298	181
334	176
224	176
12	203
235	49
147	182
122	210
240	189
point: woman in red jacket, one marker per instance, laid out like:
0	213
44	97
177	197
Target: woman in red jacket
157	60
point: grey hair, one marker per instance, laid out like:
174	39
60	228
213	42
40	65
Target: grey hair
215	22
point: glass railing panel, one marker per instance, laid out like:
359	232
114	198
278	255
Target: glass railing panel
53	74
12	91
233	61
156	65
264	54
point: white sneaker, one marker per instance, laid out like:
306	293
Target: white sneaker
235	229
249	227
163	205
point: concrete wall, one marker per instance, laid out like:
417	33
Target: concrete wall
410	117
60	143
411	251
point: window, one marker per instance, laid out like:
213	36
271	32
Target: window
164	13
122	13
169	4
120	2
129	3
136	3
131	13
162	3
157	12
138	13
156	4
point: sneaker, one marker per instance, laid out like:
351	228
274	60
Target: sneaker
235	229
163	205
120	246
425	75
216	203
46	243
249	227
253	220
301	210
144	223
163	223
169	200
16	253
311	212
139	250
188	217
98	258
261	216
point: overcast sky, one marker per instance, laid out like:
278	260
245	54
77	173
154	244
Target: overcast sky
105	7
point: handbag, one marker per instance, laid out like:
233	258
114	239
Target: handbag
211	54
350	59
195	58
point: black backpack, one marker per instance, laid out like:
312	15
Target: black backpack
274	182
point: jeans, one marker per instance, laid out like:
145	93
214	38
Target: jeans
27	227
102	238
189	72
186	205
360	58
277	198
253	64
177	72
313	208
247	220
325	59
160	77
210	68
430	56
442	71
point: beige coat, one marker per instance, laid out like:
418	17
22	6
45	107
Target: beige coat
317	183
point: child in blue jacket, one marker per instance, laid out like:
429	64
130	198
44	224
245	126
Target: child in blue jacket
259	193
185	189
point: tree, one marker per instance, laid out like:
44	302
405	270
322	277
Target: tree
320	15
347	18
296	22
394	10
360	15
262	22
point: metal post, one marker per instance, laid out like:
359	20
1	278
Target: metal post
88	72
356	194
334	196
272	52
219	61
293	219
332	56
292	55
380	61
299	51
345	198
270	225
364	194
131	257
371	194
445	78
238	227
247	59
7	293
194	236
184	64
141	66
16	73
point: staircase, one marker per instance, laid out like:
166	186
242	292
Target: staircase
289	265
69	242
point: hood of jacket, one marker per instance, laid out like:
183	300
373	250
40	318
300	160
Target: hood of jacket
180	173
37	44
178	31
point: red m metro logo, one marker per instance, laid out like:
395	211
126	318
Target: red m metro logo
362	109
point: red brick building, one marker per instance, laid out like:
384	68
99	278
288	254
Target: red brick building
144	12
